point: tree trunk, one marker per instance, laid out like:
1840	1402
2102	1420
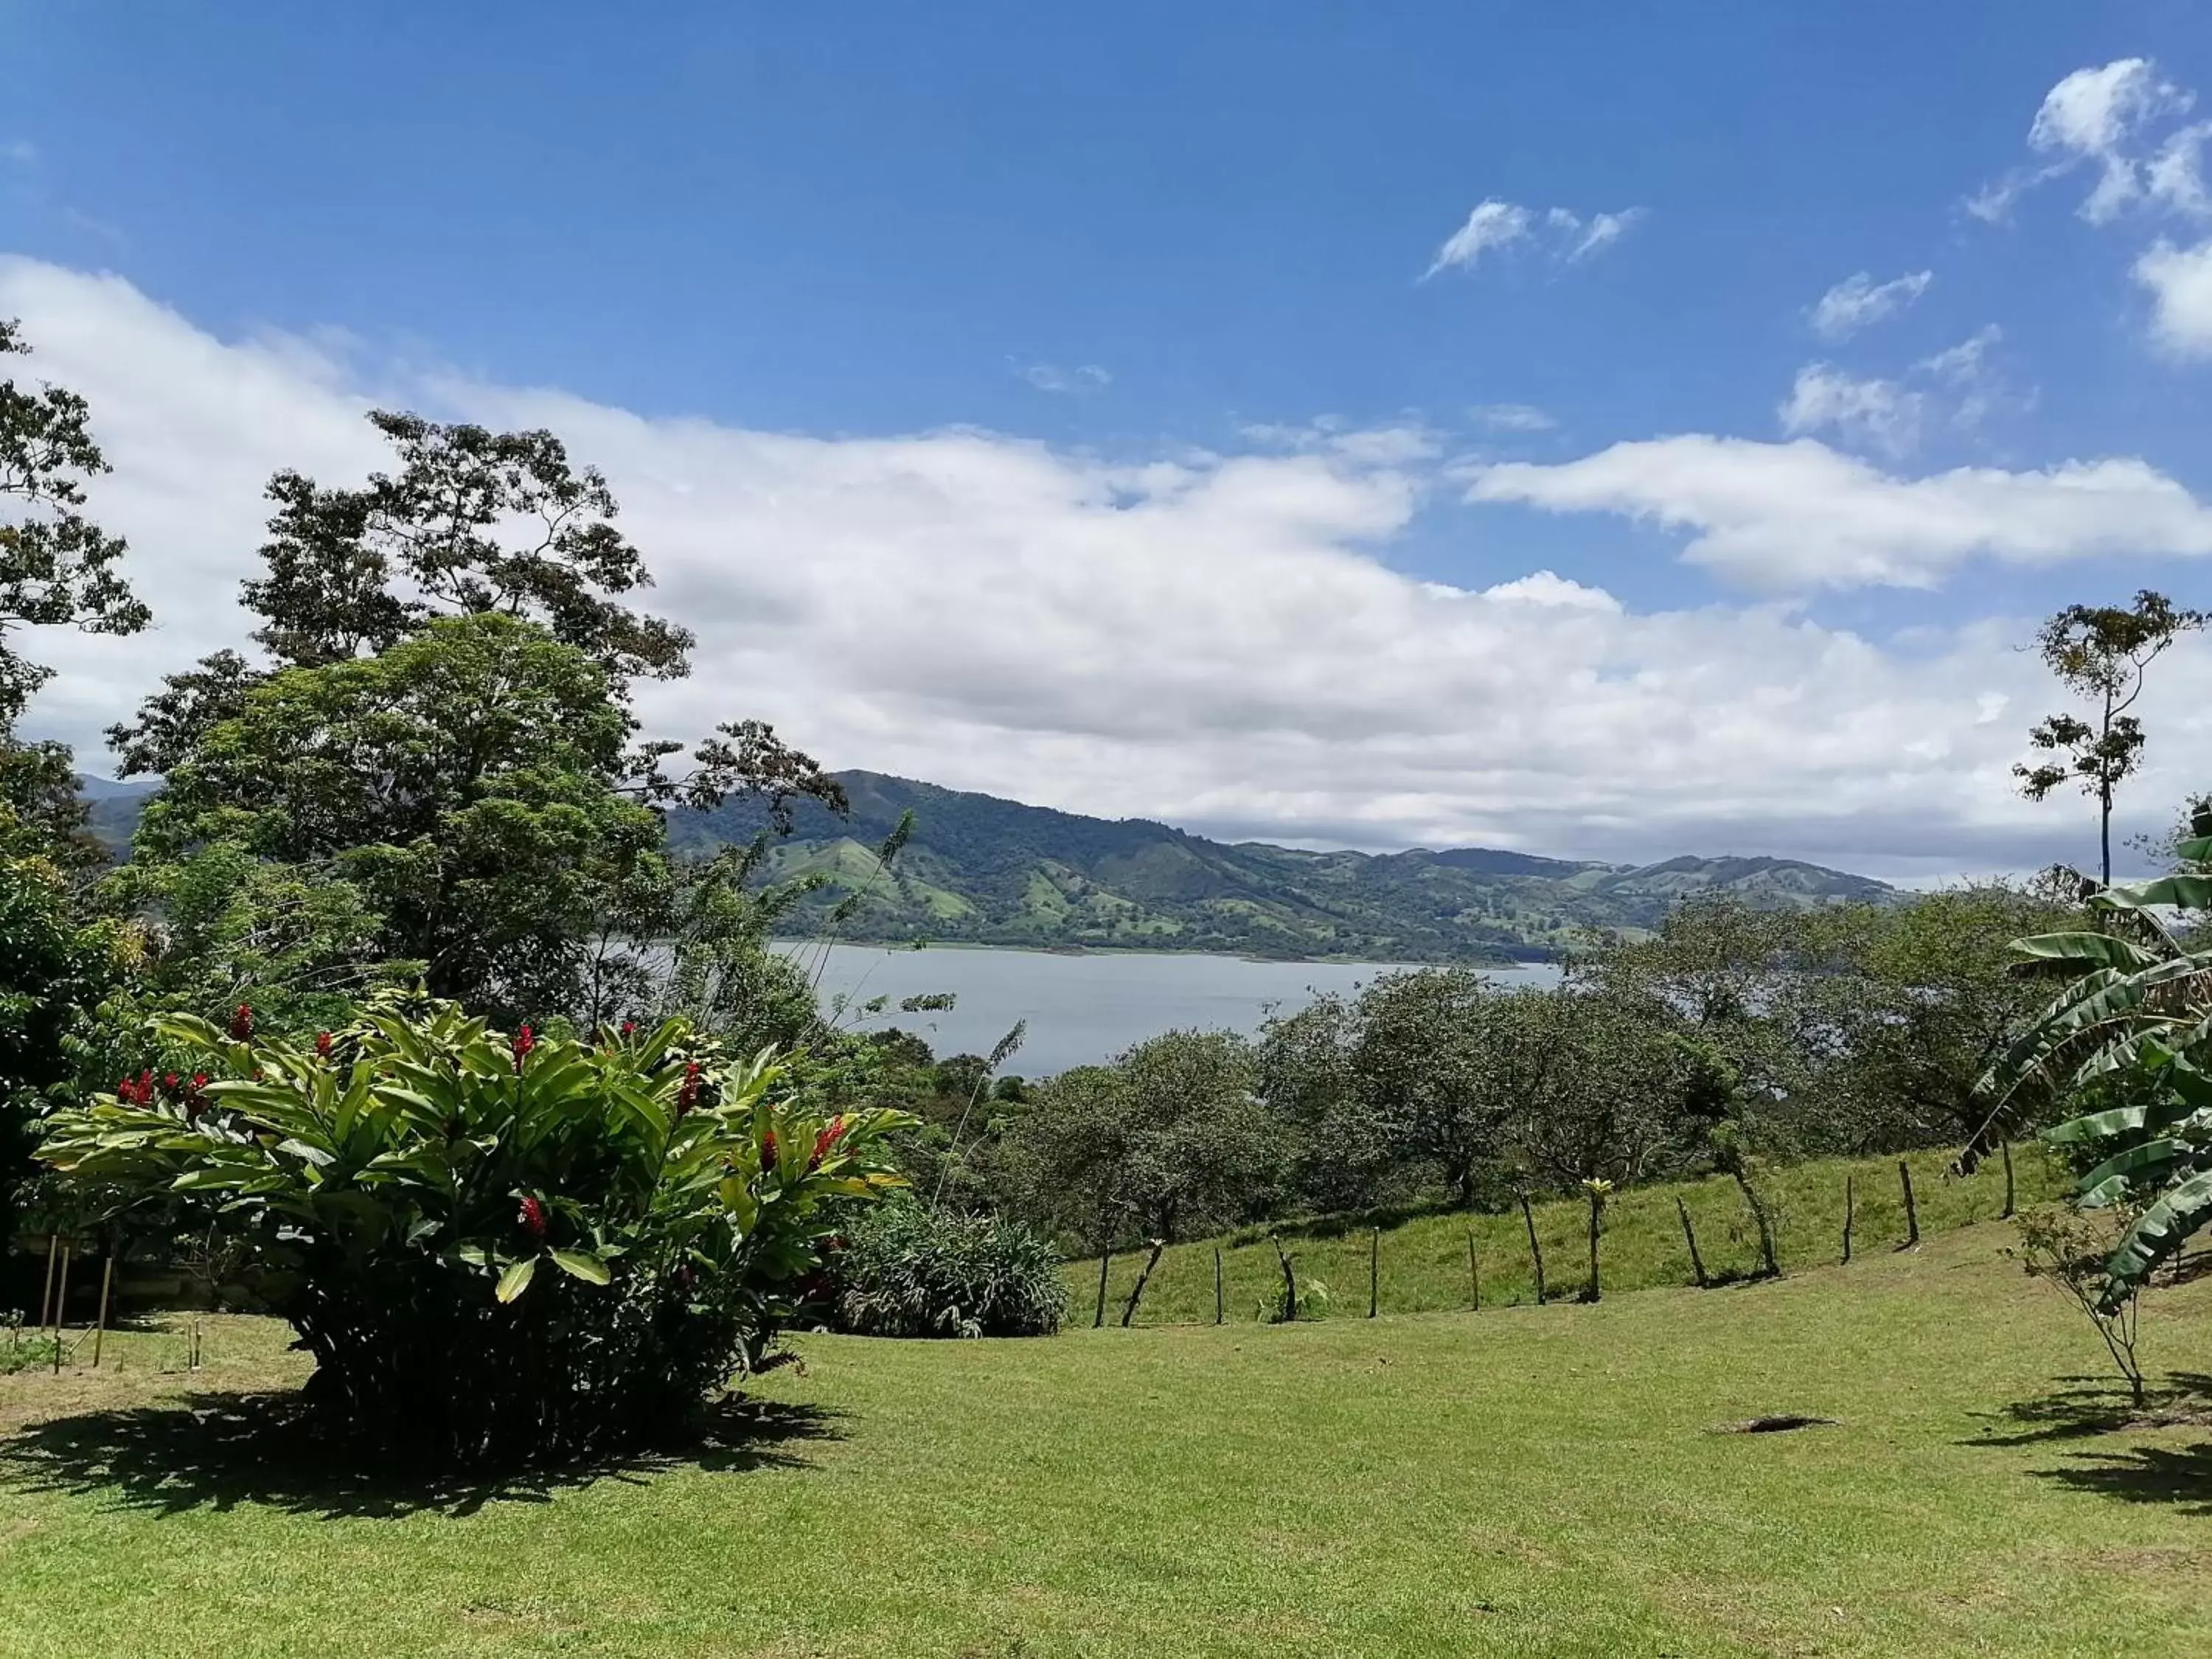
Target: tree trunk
1129	1313
1690	1238
1535	1250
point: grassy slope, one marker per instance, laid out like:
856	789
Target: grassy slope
1422	1265
1519	1482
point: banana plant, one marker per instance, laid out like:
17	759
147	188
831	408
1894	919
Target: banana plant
2128	1036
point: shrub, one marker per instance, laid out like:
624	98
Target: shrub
910	1270
498	1250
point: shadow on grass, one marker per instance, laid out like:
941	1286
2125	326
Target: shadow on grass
2088	1407
218	1450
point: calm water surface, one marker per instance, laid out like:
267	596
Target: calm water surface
1083	1009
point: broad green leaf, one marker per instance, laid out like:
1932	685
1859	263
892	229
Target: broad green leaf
582	1264
516	1279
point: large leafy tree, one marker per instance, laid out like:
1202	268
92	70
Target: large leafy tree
2101	654
57	569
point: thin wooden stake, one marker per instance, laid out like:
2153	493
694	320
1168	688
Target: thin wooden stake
99	1330
1217	1310
1151	1262
1851	1214
1912	1210
1474	1275
1289	1311
60	1304
1374	1270
47	1294
1105	1261
1535	1250
1689	1235
2005	1146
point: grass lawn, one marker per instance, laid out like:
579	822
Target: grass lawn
1518	1481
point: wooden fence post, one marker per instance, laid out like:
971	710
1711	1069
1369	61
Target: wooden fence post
1912	1210
1151	1262
1290	1309
1690	1238
47	1294
99	1330
2005	1146
61	1306
1474	1275
1535	1250
1105	1261
1851	1213
1217	1284
1374	1270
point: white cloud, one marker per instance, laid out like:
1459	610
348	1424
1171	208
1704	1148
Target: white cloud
1511	417
1858	300
1211	640
1492	225
1084	378
2099	117
2180	282
1965	361
1880	413
1564	236
1798	516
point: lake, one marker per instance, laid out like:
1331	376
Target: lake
1087	1008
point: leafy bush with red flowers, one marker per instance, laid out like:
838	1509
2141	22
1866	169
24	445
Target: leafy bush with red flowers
499	1249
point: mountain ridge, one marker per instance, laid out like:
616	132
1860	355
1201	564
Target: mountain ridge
980	869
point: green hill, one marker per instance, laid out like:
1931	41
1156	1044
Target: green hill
985	871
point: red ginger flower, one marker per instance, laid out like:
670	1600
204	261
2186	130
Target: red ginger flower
170	1079
688	1095
767	1151
242	1023
323	1044
630	1027
533	1218
525	1041
822	1142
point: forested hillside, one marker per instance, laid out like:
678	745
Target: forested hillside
987	871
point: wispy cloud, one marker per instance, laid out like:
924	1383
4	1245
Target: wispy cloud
1511	417
22	152
2102	117
1858	300
1078	381
1561	233
1879	413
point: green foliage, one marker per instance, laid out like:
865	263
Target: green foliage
2130	1039
1171	1138
498	1250
910	1269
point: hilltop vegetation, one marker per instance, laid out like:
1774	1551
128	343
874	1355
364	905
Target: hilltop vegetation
985	871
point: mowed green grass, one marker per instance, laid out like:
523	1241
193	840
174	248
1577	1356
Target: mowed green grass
1421	1265
1520	1481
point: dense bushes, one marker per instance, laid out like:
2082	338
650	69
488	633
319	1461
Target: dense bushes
908	1270
498	1250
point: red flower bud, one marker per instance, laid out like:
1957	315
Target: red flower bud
323	1044
533	1217
242	1023
767	1151
630	1027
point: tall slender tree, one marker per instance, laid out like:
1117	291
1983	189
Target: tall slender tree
2102	654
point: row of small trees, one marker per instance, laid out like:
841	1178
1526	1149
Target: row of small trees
1733	1035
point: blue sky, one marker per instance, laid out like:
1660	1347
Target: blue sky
1129	235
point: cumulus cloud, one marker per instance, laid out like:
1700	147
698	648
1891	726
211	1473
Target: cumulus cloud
1215	640
1879	413
1858	300
2180	283
1798	516
1562	234
2099	119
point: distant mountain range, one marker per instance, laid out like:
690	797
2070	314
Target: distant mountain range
984	871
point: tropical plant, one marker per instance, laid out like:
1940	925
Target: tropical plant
2130	1038
498	1248
911	1269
